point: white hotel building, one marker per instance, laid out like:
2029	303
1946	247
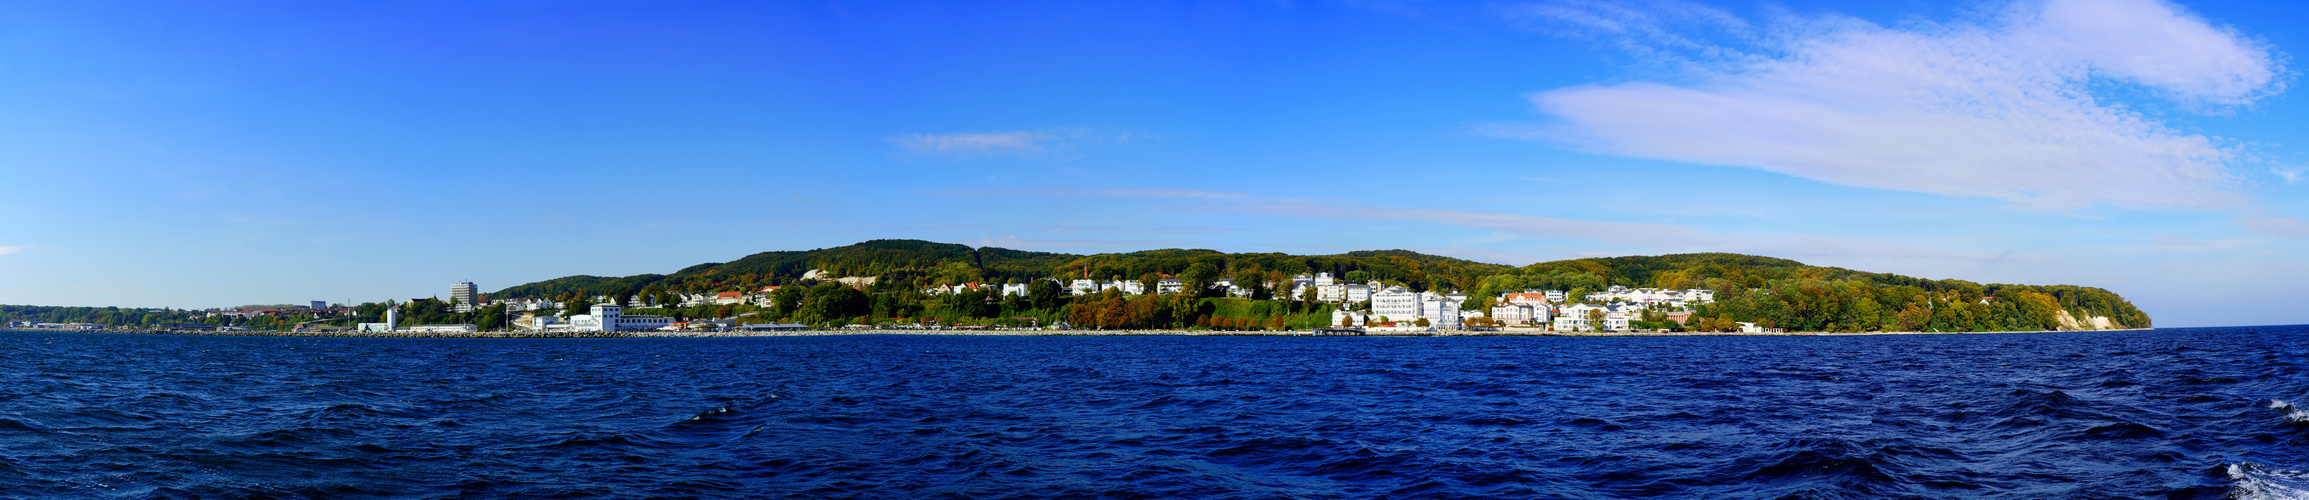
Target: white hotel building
608	318
1402	306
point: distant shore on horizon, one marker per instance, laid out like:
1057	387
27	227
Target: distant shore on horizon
1015	333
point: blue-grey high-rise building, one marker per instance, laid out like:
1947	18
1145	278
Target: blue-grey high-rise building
464	293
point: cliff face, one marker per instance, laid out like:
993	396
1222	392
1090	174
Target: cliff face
2069	322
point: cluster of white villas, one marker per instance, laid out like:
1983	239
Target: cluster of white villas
1621	305
1404	308
1326	288
1389	304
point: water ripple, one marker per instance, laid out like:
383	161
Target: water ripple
2190	413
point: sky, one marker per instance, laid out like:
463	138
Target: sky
213	154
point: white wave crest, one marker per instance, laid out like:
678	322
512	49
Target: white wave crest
2279	404
2255	482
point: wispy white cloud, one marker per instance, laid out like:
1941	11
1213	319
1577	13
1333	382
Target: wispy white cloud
2283	227
10	249
974	143
2002	109
1635	236
1528	226
1103	229
1027	143
1650	28
1103	193
2291	175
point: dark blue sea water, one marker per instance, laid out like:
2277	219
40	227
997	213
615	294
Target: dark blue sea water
2189	413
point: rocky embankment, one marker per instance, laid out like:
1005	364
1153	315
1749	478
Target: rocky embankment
820	333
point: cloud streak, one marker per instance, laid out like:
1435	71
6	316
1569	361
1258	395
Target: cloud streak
2001	110
2283	227
1655	238
1042	143
1099	193
10	249
974	143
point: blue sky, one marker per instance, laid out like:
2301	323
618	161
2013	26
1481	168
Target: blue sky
209	154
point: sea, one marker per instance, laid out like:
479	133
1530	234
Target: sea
2167	413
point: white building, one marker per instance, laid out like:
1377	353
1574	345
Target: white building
1348	318
1014	289
1169	285
1395	303
1574	318
1678	299
1616	318
1083	287
609	318
1400	305
1232	290
533	322
1514	314
1528	298
1127	287
518	305
1441	310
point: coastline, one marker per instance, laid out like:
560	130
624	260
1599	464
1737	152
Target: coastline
1003	333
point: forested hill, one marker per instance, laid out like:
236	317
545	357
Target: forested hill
923	263
1777	292
1799	297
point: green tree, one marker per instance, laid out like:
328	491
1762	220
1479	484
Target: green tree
490	318
1043	293
831	301
1196	280
1249	278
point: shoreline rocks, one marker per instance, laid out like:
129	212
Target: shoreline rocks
1023	333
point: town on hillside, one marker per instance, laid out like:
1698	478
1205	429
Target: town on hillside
1367	306
919	285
